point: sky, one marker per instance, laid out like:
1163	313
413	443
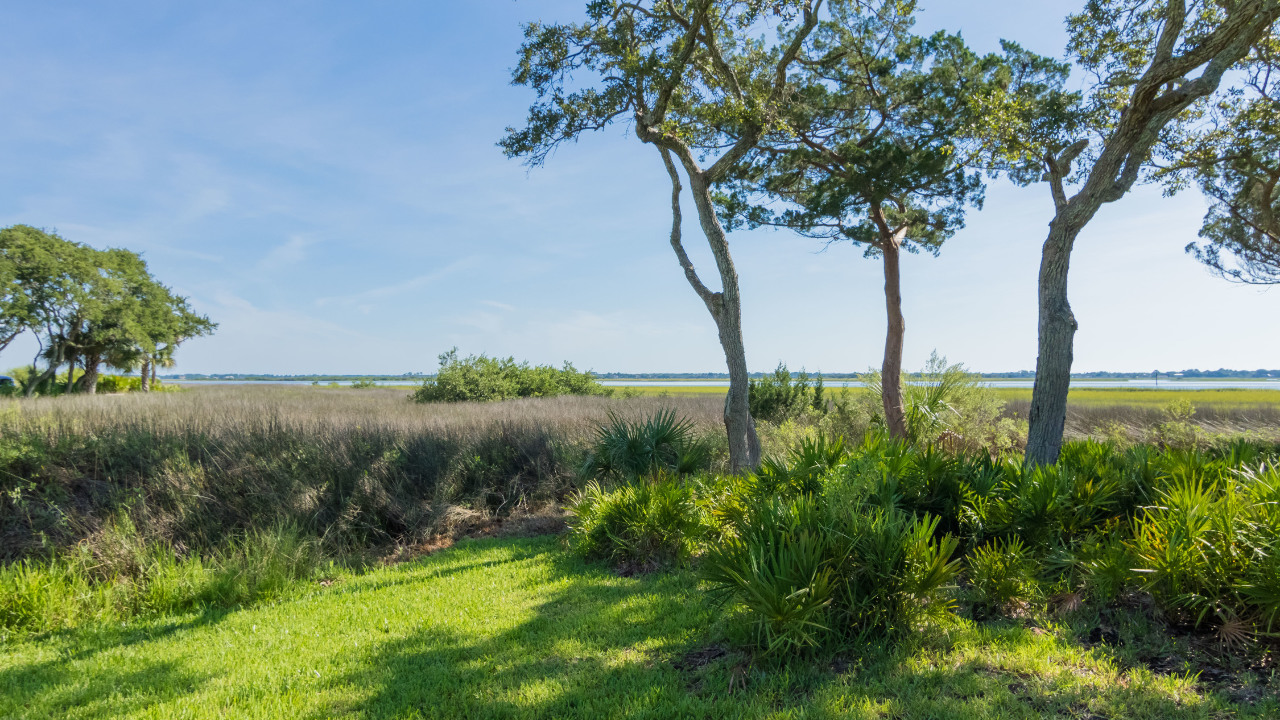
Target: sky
321	179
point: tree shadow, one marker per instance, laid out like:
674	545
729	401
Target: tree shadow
597	649
55	687
587	651
52	690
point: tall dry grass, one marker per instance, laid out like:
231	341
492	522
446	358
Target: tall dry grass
1086	420
354	467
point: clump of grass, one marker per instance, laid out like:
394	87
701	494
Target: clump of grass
663	442
122	576
1002	576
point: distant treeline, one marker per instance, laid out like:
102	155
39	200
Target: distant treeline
1015	375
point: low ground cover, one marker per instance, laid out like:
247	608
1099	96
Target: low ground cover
519	628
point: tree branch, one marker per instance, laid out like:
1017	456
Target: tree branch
709	298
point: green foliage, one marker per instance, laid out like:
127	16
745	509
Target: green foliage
122	576
640	525
480	378
780	566
1210	549
945	403
802	471
363	384
778	397
636	448
1178	430
1237	166
88	307
1002	575
817	558
121	383
884	148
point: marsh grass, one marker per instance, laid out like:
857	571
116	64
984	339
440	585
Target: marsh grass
356	469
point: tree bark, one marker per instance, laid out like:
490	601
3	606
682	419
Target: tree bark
90	378
1158	96
71	376
145	384
49	374
725	308
153	374
895	414
1057	330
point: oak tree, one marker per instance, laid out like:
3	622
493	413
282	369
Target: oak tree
692	79
884	148
1154	65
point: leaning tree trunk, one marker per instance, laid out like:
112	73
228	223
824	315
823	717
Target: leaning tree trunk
725	308
744	444
145	384
1048	416
49	374
895	414
89	381
153	374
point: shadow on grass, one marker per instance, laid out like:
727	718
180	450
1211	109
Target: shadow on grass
55	687
592	645
606	647
587	651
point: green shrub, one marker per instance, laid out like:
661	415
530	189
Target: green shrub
482	378
1210	550
1102	565
944	403
802	471
635	448
778	397
780	566
830	564
1002	575
125	383
639	526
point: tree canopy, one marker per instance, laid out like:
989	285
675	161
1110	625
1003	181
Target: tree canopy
88	307
1237	167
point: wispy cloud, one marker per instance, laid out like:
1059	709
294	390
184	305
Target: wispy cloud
291	252
362	299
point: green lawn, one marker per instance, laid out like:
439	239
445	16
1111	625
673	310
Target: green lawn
517	628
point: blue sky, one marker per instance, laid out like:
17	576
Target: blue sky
321	179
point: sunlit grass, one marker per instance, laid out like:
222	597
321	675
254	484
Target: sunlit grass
517	628
1143	397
